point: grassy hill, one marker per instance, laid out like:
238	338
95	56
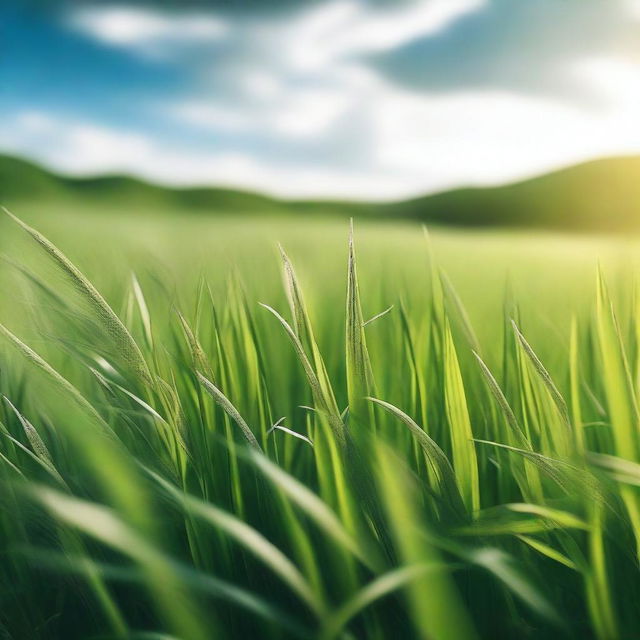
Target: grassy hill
602	194
22	181
598	195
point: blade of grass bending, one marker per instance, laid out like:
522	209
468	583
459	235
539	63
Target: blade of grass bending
501	521
570	478
165	577
229	409
38	283
291	432
499	396
548	551
315	508
533	487
304	329
55	377
506	526
377	316
451	295
500	564
10	464
505	569
249	538
113	325
77	556
37	443
563	518
37	459
326	403
556	396
166	428
543	373
206	584
621	470
448	489
198	355
378	588
101	523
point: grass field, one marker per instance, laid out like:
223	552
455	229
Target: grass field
178	461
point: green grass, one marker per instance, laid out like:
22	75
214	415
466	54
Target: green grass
203	436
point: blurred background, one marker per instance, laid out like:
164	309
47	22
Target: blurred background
489	152
339	100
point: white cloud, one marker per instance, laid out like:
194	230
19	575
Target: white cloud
309	113
314	39
146	30
613	79
306	39
491	137
261	84
634	8
84	149
291	114
418	143
364	31
34	122
79	148
210	115
296	80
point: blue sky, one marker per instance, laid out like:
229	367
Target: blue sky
333	98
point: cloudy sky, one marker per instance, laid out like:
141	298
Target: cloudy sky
332	98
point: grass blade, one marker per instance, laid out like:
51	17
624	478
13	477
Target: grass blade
465	462
125	343
229	409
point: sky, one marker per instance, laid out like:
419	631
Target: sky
329	98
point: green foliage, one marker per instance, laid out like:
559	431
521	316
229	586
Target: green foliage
178	462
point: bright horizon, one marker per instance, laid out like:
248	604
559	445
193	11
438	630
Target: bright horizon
330	99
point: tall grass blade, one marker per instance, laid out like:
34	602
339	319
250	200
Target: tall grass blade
324	401
125	343
465	462
358	366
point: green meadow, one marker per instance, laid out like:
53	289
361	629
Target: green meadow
241	426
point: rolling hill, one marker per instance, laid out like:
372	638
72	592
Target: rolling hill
598	195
